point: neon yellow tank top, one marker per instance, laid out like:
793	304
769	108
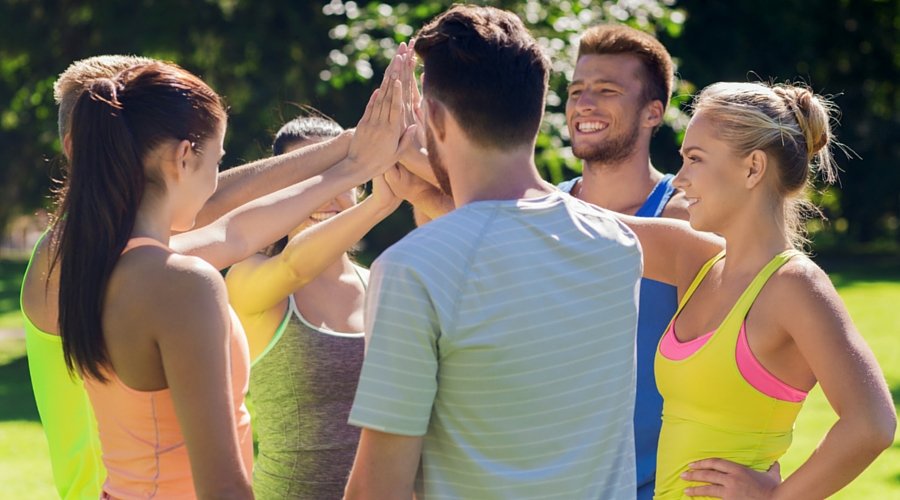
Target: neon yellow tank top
709	409
66	414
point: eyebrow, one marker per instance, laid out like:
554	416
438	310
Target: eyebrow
600	81
691	148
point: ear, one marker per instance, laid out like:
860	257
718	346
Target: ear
653	114
67	145
756	165
437	118
181	157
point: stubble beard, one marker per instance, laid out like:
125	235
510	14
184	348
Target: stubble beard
609	152
437	164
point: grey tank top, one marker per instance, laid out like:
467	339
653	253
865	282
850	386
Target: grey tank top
302	388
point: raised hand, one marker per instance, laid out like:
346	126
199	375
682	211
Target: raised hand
375	142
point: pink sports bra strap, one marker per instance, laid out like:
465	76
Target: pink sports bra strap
143	241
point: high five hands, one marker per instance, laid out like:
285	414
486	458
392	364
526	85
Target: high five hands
375	143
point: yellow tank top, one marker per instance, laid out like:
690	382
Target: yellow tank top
709	409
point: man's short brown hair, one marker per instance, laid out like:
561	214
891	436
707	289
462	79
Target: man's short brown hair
487	69
71	82
659	72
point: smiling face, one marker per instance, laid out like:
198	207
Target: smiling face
604	106
712	177
337	205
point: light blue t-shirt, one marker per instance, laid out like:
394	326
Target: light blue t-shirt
503	332
658	302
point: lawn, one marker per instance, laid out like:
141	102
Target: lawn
870	287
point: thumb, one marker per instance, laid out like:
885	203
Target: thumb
775	470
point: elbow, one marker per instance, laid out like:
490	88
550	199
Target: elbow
876	433
883	433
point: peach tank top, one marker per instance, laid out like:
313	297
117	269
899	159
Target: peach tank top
143	448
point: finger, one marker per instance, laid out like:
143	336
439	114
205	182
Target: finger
396	105
376	106
775	471
714	491
391	72
706	476
370	106
389	97
717	464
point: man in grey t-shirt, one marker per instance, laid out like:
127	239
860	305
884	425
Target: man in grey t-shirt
500	361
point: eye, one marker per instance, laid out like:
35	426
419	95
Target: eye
574	92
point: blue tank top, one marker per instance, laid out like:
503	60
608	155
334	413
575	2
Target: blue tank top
658	302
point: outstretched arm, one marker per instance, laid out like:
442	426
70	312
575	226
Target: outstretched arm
245	230
240	185
673	252
307	254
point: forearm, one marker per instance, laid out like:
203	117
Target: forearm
430	205
314	249
250	227
256	288
845	452
243	184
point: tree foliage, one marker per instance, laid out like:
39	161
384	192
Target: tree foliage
267	56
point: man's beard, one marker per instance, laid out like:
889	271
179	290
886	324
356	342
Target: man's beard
611	151
437	165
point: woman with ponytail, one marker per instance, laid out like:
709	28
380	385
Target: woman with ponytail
759	324
164	358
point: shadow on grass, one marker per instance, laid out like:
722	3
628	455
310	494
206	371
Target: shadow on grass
16	398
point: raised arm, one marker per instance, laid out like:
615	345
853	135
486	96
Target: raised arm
245	230
673	252
193	344
240	185
307	254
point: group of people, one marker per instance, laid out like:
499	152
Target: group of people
526	341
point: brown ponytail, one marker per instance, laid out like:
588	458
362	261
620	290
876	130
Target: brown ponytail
115	122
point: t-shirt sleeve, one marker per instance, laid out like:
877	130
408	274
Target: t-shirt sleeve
398	382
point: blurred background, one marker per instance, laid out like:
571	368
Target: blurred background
269	58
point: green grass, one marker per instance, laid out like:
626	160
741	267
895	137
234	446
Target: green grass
24	458
11	272
870	287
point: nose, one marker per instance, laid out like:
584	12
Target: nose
681	180
585	102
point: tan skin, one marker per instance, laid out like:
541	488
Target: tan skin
314	267
798	328
604	101
155	353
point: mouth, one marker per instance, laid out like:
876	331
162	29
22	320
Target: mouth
691	201
590	127
322	216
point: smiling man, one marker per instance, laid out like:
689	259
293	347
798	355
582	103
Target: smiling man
617	98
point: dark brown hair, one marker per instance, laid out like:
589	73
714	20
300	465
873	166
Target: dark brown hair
659	73
484	66
115	123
